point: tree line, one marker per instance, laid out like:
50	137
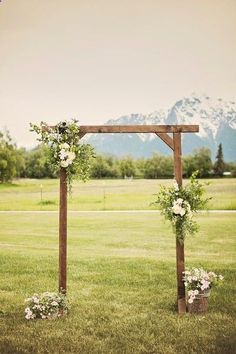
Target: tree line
15	162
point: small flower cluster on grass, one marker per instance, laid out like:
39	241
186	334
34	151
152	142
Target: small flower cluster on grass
198	280
46	305
65	150
179	204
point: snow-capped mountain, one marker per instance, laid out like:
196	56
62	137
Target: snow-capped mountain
215	117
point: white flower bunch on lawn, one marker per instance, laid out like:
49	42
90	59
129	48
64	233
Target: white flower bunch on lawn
198	280
46	305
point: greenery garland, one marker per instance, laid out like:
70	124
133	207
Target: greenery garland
65	150
180	204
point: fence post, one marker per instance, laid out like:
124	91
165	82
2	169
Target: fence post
180	266
63	232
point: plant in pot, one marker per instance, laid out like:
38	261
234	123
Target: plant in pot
198	283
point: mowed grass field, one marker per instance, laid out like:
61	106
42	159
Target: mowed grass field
121	272
105	194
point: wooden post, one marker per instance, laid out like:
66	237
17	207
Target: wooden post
63	231
180	267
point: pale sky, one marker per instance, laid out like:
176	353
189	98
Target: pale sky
99	59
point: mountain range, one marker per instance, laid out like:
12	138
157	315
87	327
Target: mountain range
216	119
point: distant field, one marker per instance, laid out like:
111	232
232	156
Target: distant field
104	194
121	284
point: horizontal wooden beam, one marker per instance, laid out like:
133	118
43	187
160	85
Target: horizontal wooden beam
139	129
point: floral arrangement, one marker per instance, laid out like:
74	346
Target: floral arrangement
65	151
45	306
197	281
179	204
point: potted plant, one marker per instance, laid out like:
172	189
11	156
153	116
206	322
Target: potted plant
198	283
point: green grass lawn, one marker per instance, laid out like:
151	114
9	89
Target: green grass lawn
104	194
121	282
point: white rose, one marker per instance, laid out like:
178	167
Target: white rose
182	212
65	146
63	154
179	201
71	155
64	163
176	209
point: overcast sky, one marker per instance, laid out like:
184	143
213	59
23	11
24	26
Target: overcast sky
99	59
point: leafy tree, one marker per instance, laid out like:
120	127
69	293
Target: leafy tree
231	167
158	166
127	167
199	161
11	160
140	167
219	166
104	167
37	163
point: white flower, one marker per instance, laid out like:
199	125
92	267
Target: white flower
190	300
71	155
28	312
65	146
179	201
177	209
205	284
63	154
221	277
175	184
64	163
54	303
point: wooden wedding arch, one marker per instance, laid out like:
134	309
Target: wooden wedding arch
174	142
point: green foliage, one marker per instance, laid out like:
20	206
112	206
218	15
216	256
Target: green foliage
64	149
11	159
219	166
37	163
200	161
231	167
44	161
105	167
127	167
179	204
158	166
